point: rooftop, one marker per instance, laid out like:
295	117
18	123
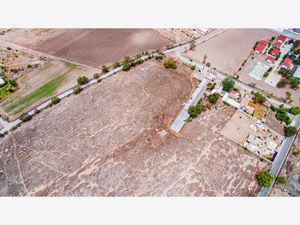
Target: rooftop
270	58
281	38
287	62
275	51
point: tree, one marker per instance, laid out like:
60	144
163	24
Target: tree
295	82
104	69
290	131
204	59
194	111
288	96
284	72
228	84
116	64
258	98
208	64
193	67
55	100
126	66
25	117
77	90
264	179
192	45
96	76
211	85
282	83
82	80
294	110
282	115
169	64
213	98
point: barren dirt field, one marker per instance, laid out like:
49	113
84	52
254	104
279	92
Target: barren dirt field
228	50
93	47
113	140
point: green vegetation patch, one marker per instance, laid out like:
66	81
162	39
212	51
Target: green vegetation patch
46	90
264	179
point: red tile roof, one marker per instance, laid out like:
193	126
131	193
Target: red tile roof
297	48
261	46
263	42
277	44
270	58
287	62
281	38
275	51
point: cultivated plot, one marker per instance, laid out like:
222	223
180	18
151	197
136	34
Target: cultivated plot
93	47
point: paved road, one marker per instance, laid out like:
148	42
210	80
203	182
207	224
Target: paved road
194	99
279	160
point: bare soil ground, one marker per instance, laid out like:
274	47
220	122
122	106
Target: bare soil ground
280	93
178	36
113	140
93	47
227	51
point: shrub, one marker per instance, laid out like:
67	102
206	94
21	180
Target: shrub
192	45
194	111
281	180
282	83
290	131
284	72
139	61
96	76
211	85
82	80
104	69
273	108
193	67
264	179
55	100
126	66
29	66
169	64
13	82
258	98
294	110
77	90
213	98
116	64
208	64
228	84
8	48
25	117
266	74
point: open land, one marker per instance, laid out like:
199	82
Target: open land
227	51
92	47
113	140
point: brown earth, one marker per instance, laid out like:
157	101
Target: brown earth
92	47
228	50
113	140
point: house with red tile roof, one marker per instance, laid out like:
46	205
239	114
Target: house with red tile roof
275	52
270	59
277	44
261	46
297	48
287	63
281	38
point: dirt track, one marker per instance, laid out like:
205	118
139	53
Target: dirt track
113	140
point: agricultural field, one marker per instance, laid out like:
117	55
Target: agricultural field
92	47
113	140
36	76
227	51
